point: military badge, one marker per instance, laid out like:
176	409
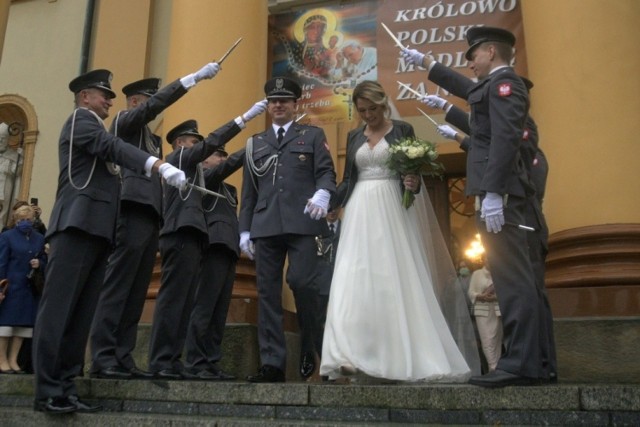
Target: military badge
504	89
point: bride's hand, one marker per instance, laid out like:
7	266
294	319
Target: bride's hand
411	182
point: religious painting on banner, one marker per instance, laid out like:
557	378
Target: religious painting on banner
331	49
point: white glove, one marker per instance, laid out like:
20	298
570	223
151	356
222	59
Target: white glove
492	212
255	110
447	131
412	56
434	101
174	176
246	245
207	72
318	205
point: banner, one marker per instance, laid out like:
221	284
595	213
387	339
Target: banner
330	50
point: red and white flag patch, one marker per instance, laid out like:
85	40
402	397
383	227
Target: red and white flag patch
504	89
326	146
525	135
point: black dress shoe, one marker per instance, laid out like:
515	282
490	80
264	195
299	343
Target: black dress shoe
55	405
198	375
307	365
167	374
82	406
221	375
112	373
500	378
139	374
267	374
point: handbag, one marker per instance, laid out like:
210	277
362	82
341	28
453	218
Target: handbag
36	281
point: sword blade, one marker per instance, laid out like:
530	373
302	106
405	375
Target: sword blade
229	51
429	117
205	191
406	86
395	39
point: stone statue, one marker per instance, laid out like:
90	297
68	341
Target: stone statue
9	159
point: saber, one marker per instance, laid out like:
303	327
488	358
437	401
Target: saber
513	224
229	51
429	117
301	117
395	39
205	191
406	86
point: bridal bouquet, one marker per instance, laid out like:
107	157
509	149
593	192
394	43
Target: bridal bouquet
413	155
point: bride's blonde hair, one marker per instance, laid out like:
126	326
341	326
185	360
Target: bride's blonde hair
372	91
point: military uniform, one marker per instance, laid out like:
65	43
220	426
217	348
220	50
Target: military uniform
535	164
183	237
499	105
203	347
278	181
122	298
81	233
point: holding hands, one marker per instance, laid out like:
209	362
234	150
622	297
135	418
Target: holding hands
318	205
246	245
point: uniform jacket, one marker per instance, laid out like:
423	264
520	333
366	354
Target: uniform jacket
499	107
355	139
221	214
132	126
93	208
184	208
273	204
16	251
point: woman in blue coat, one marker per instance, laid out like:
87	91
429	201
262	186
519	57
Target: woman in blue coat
21	250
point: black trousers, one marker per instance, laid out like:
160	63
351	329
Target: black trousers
203	347
75	273
115	325
181	262
270	256
518	297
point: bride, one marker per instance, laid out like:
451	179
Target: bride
395	309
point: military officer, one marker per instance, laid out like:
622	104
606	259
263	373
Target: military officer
203	347
537	168
115	325
183	237
496	177
81	232
287	184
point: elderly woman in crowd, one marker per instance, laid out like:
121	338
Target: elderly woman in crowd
21	255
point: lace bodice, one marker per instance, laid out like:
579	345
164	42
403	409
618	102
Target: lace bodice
372	162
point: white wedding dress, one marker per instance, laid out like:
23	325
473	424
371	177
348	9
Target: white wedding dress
383	316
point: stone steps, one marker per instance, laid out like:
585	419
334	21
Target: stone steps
240	403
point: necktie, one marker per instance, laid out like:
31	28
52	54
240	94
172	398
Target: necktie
332	227
280	135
